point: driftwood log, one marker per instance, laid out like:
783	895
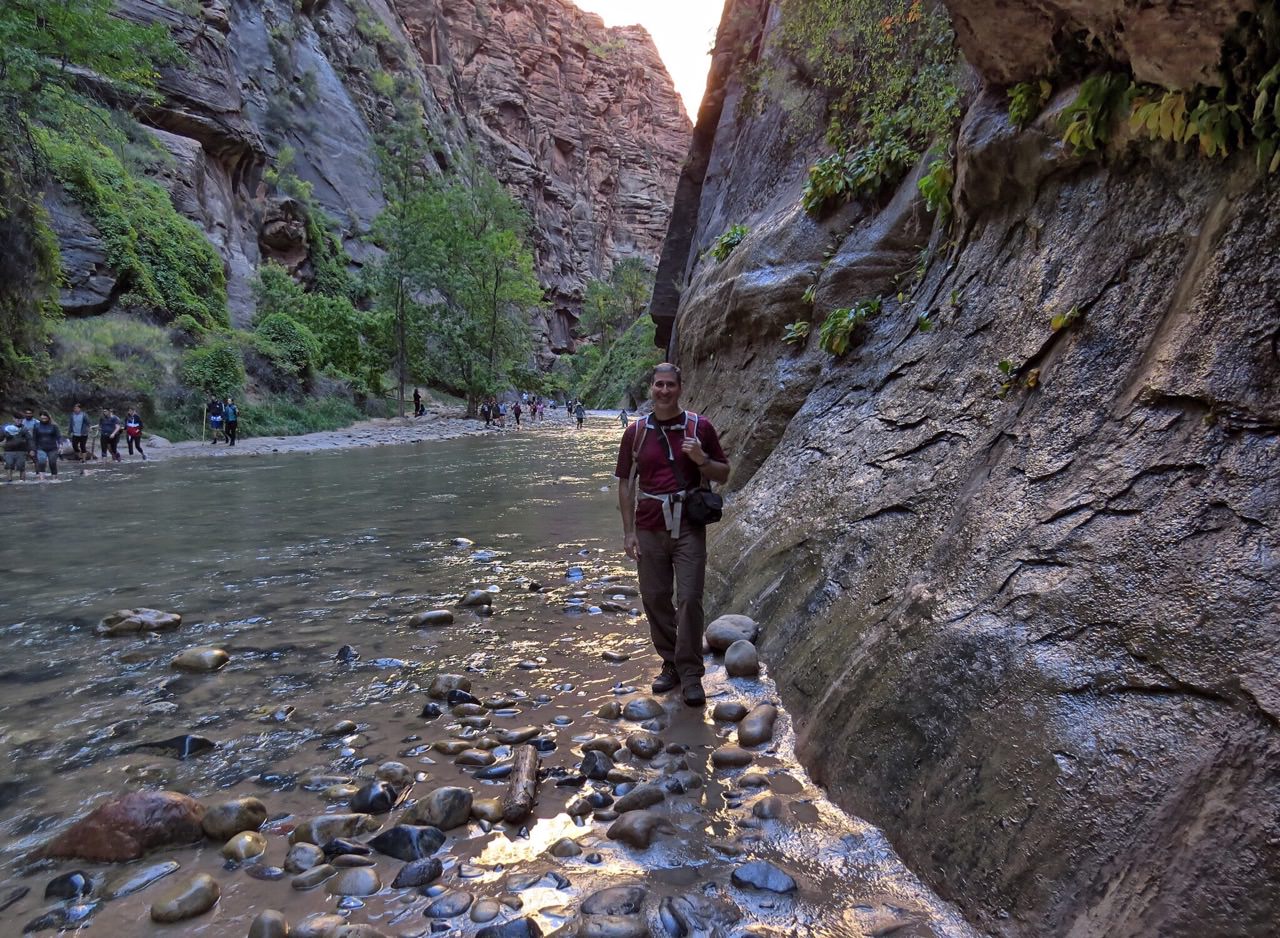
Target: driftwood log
522	787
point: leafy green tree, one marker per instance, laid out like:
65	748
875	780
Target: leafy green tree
612	305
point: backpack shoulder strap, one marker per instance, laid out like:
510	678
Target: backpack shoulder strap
641	428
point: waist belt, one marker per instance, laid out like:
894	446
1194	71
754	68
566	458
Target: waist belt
672	508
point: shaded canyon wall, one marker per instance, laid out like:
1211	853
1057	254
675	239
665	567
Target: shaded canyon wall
1030	634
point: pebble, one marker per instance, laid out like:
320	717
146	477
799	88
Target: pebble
615	900
127	882
187	900
731	757
741	660
565	847
609	711
245	846
761	874
395	773
265	872
475	757
449	905
302	857
477	598
431	617
356	881
644	744
638	828
445	808
377	797
318	925
487	809
406	842
642	708
320	830
341	847
418	873
485	910
443	683
352	859
639	798
269	924
615	657
64	917
203	658
596	765
757	726
753	780
770	808
313	877
70	885
516	928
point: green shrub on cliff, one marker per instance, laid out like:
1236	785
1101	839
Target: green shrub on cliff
1026	100
289	343
166	261
841	325
214	369
723	246
621	375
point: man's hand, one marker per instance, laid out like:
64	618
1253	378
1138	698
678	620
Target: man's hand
631	544
693	449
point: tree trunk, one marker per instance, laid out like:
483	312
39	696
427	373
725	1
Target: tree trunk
401	350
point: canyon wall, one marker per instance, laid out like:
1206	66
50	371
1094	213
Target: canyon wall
1025	615
580	121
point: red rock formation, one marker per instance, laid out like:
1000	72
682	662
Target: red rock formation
127	827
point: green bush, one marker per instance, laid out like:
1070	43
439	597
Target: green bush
863	172
165	260
289	343
216	369
725	244
935	186
839	328
1026	100
1088	121
796	333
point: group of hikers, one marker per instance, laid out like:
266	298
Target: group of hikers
39	441
224	420
494	412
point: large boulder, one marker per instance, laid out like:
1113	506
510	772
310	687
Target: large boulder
125	828
727	629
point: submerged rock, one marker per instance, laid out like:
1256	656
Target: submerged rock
130	881
761	874
322	829
133	621
69	885
445	808
187	900
376	797
408	842
224	821
355	881
638	828
729	711
202	658
757	726
642	708
269	924
516	928
432	617
615	900
418	873
244	846
449	905
443	683
126	827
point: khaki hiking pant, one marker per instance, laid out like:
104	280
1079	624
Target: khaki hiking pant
676	629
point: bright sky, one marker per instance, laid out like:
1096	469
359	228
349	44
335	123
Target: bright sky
683	31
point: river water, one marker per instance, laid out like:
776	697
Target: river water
281	561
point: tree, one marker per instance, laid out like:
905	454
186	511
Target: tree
612	306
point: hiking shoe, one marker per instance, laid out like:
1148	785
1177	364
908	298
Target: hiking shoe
665	681
693	694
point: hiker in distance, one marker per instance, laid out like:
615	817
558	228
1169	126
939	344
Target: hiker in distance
662	462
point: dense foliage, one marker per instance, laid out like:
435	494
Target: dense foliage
888	71
621	374
616	370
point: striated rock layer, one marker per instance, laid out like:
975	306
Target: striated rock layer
581	122
1032	636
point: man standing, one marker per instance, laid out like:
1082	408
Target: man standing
17	443
46	439
661	458
231	417
79	433
109	433
580	412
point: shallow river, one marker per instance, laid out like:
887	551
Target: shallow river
283	560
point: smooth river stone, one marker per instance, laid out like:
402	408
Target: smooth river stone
395	773
313	877
760	874
377	797
130	881
449	905
513	737
485	910
644	744
770	808
450	747
354	881
615	900
474	757
322	829
757	726
731	757
729	711
133	621
564	847
725	630
71	885
318	925
741	660
445	808
487	809
202	658
245	845
606	744
477	598
407	842
639	798
516	928
638	828
224	821
443	683
418	873
269	924
609	711
187	900
642	708
596	765
613	926
302	857
430	618
126	827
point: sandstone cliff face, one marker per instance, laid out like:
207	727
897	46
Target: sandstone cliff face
581	122
1030	636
